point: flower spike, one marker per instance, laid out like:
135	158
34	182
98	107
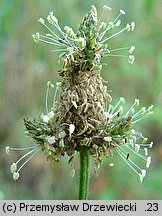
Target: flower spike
80	118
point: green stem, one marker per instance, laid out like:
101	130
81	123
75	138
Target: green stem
84	173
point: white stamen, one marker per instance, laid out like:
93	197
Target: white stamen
111	25
74	104
13	168
133	132
132	110
41	21
121	110
51	18
117	33
56	37
143	172
102	27
28	160
105	7
16	175
69	31
140	112
131	142
107	139
122	12
137	102
24	156
148	162
50	85
61	143
36	37
51	139
128	27
143	110
55	41
8	150
71	128
117	49
122	100
51	114
150	108
123	157
144	140
137	148
81	42
151	144
132	26
131	59
45	118
131	49
141	177
94	10
47	92
146	151
117	24
139	155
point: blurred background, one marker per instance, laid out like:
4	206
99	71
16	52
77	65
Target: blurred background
25	68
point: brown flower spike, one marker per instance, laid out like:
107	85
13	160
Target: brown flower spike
81	114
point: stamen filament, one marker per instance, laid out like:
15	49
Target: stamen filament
23	148
54	97
138	120
130	109
54	33
108	28
141	156
62	33
47	92
25	155
110	107
28	160
117	17
118	49
134	164
119	152
48	42
118	103
140	112
129	159
59	50
55	40
125	56
117	33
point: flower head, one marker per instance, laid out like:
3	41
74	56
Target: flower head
81	114
91	36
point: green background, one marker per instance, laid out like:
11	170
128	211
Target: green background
25	68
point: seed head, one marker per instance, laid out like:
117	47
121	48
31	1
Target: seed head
81	113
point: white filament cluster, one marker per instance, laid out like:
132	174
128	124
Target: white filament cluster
67	41
131	146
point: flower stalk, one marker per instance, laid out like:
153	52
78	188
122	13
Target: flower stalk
84	173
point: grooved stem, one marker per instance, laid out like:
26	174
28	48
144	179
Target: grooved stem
84	173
